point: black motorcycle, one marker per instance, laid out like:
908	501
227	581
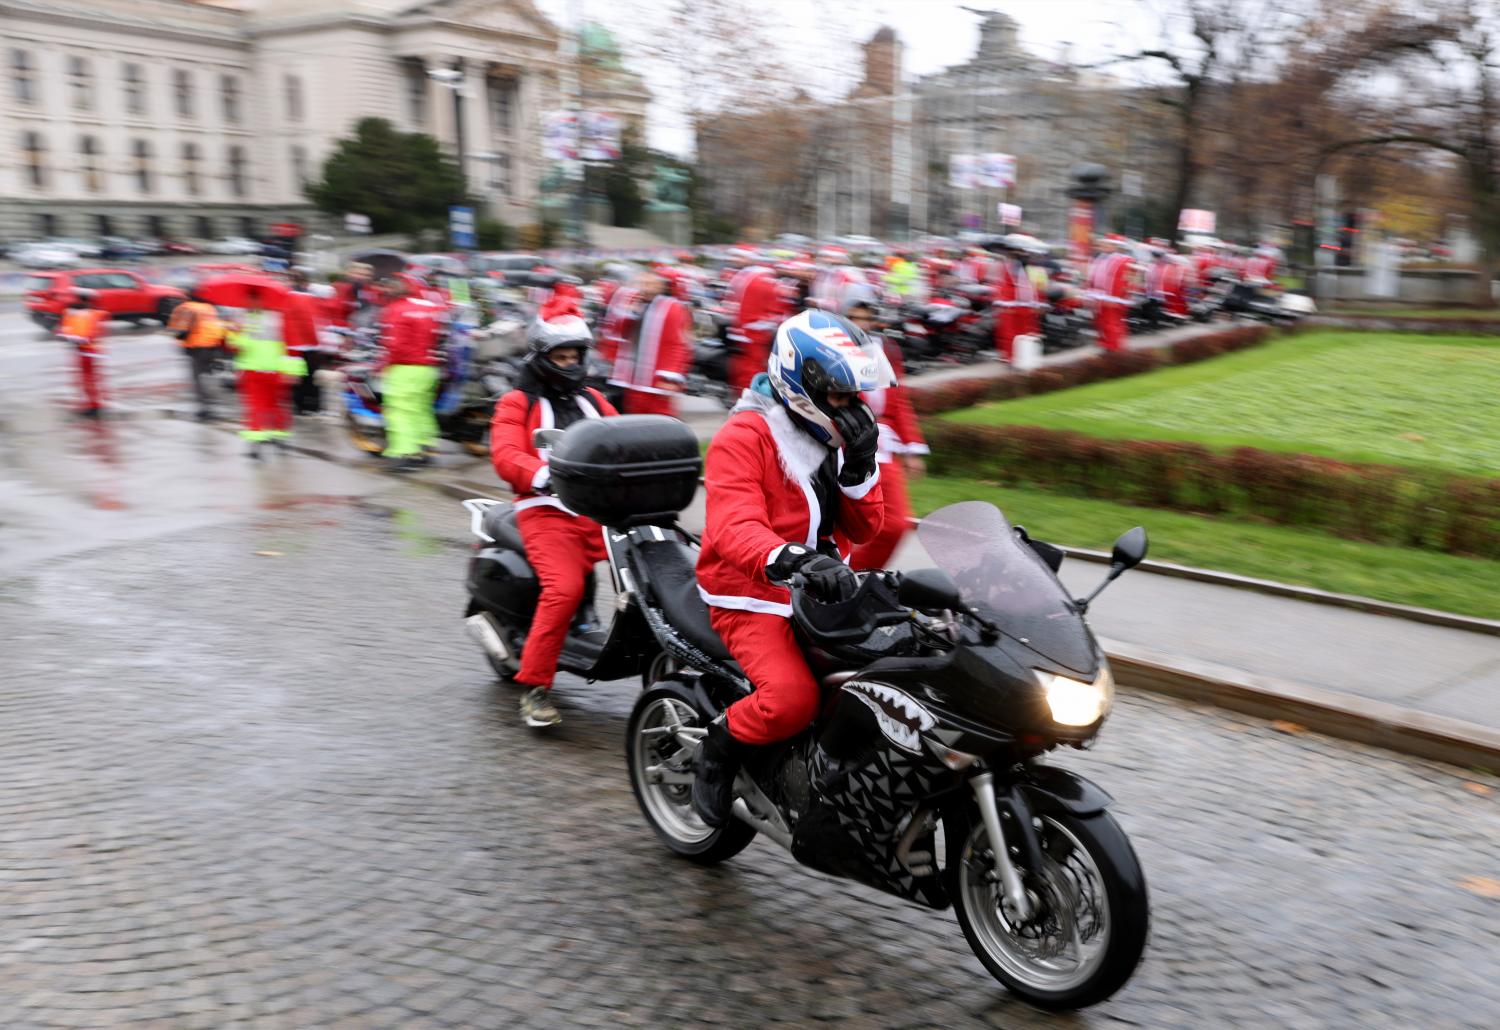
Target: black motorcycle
942	690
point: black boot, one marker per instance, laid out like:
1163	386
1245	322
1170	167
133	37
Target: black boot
713	782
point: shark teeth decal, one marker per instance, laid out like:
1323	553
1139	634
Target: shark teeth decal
901	719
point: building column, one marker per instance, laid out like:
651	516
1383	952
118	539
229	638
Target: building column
440	103
478	135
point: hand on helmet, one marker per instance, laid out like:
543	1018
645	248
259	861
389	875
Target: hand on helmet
825	577
861	437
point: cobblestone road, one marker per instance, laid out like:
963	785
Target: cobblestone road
282	789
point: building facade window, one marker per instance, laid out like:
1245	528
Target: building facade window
135	90
300	173
502	105
237	170
293	87
229	94
88	164
182	92
140	151
22	77
499	177
416	92
81	83
34	157
203	227
104	225
192	179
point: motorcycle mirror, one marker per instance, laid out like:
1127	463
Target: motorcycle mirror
928	589
1130	550
545	438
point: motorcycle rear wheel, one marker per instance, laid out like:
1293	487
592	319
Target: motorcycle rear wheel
1091	896
651	752
371	441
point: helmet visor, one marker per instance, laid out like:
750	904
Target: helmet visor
839	358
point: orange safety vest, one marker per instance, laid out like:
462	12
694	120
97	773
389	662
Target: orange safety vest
83	326
201	320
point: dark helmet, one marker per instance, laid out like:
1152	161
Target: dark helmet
542	338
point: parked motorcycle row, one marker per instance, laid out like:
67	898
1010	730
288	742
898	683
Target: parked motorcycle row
943	690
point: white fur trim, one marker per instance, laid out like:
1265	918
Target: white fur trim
746	604
854	493
540	479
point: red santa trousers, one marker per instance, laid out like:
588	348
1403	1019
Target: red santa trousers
786	695
90	380
562	548
876	552
1109	323
1005	332
639	402
262	403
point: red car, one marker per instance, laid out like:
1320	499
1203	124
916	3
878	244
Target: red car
125	295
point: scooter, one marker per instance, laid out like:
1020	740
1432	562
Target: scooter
942	689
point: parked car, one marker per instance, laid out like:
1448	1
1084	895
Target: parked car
124	295
178	247
115	248
44	255
443	264
89	250
497	261
238	245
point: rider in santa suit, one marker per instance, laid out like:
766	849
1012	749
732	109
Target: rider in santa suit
561	546
1166	278
833	280
651	348
900	449
794	465
1015	295
759	304
1109	285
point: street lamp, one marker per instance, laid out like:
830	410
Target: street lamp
453	78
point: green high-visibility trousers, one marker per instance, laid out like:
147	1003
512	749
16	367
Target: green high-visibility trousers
409	392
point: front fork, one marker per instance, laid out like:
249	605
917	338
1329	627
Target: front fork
1008	823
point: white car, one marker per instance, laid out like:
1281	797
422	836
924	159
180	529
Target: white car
90	249
45	255
238	245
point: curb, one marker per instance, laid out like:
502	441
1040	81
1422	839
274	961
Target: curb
1430	616
1364	720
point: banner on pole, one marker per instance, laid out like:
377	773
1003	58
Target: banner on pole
461	227
963	171
1081	231
560	136
997	171
1010	215
599	136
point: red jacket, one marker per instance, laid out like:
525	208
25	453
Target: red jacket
1110	278
409	331
657	357
759	304
299	322
891	406
516	461
759	475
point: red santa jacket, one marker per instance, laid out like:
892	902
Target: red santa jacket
1109	279
516	460
759	304
760	495
832	286
299	322
409	332
891	405
1166	280
658	354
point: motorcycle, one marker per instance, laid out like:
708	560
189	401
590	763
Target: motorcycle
943	688
465	402
1063	321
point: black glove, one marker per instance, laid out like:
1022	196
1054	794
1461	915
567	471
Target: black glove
861	436
825	577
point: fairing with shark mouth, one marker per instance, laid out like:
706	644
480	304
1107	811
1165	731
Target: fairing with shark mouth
901	719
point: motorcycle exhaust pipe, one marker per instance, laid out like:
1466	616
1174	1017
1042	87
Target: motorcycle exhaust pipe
481	626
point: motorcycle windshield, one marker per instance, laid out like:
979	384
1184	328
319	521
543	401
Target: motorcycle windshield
999	574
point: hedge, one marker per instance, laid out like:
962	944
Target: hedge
932	398
1378	503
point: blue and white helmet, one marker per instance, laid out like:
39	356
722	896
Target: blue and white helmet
818	353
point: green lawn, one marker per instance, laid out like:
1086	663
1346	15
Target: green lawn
1467	314
1389	398
1469	586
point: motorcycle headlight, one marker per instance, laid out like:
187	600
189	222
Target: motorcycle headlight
1074	702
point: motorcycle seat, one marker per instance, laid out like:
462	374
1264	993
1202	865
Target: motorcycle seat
674	588
499	523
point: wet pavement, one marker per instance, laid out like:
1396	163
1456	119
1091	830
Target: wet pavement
255	774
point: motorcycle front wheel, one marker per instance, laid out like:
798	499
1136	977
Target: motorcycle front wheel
1090	919
661	775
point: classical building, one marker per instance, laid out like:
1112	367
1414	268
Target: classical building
877	161
189	118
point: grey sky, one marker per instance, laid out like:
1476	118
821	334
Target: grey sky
937	33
